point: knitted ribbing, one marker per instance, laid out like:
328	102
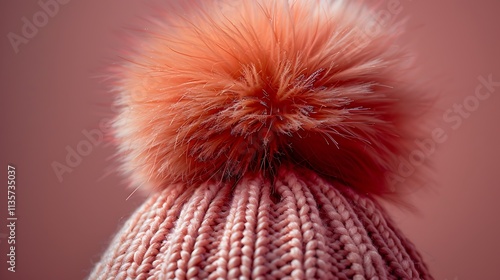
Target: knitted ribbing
299	226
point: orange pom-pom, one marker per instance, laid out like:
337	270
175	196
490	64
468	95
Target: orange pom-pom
217	89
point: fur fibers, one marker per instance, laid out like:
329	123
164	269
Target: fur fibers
216	89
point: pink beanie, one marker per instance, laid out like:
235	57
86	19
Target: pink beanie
266	131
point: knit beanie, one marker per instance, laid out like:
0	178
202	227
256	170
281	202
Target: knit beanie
266	133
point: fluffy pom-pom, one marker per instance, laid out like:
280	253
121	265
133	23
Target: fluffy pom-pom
217	89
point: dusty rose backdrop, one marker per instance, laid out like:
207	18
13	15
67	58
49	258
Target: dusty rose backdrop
51	106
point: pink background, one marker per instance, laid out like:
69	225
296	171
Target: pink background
49	96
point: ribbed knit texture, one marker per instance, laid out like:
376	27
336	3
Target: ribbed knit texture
299	226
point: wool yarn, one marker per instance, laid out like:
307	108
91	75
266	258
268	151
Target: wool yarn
298	227
265	131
